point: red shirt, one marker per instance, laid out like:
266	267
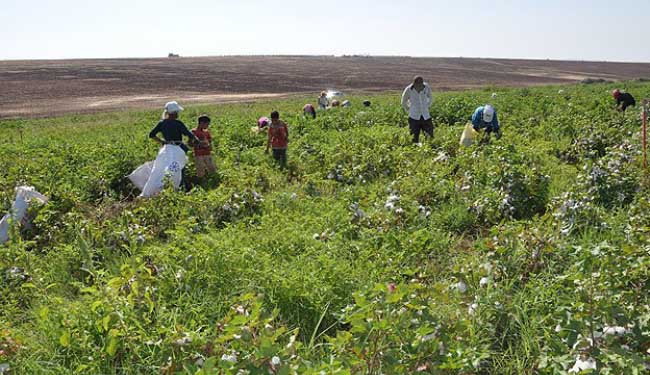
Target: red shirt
202	135
279	135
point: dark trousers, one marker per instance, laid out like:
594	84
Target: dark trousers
186	181
280	154
415	126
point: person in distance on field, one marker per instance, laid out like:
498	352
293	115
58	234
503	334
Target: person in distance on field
173	131
416	100
485	117
623	100
278	139
309	110
263	122
323	102
203	150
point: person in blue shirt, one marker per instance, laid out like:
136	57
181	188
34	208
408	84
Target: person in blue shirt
485	117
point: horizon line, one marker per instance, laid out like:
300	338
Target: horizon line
180	57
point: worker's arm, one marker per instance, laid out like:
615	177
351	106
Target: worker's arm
495	125
153	134
268	140
405	98
477	118
429	96
189	134
286	130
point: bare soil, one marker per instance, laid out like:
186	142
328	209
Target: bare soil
49	88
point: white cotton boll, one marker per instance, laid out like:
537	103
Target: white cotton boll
558	328
583	365
393	198
614	331
484	281
461	287
275	361
494	95
472	309
232	358
560	92
428	337
442	157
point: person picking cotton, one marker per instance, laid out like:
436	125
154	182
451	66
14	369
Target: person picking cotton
323	102
309	111
485	117
623	100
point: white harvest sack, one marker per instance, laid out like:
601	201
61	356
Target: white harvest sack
140	176
168	164
469	135
24	194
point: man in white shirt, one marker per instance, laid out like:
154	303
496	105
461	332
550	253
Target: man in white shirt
416	100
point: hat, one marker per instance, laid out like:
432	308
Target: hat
488	113
173	107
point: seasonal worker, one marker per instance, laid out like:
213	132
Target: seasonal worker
203	150
485	117
278	139
171	128
416	100
623	100
323	102
309	110
173	131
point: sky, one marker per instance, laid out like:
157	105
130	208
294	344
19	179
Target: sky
541	29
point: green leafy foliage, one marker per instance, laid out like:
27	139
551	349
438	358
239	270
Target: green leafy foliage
367	254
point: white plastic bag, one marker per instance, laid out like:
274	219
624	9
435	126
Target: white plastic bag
140	176
333	94
168	164
469	135
24	194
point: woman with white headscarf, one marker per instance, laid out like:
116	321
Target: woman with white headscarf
171	128
173	131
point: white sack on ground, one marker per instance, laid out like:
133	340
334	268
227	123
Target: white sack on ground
24	194
140	176
168	165
469	135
